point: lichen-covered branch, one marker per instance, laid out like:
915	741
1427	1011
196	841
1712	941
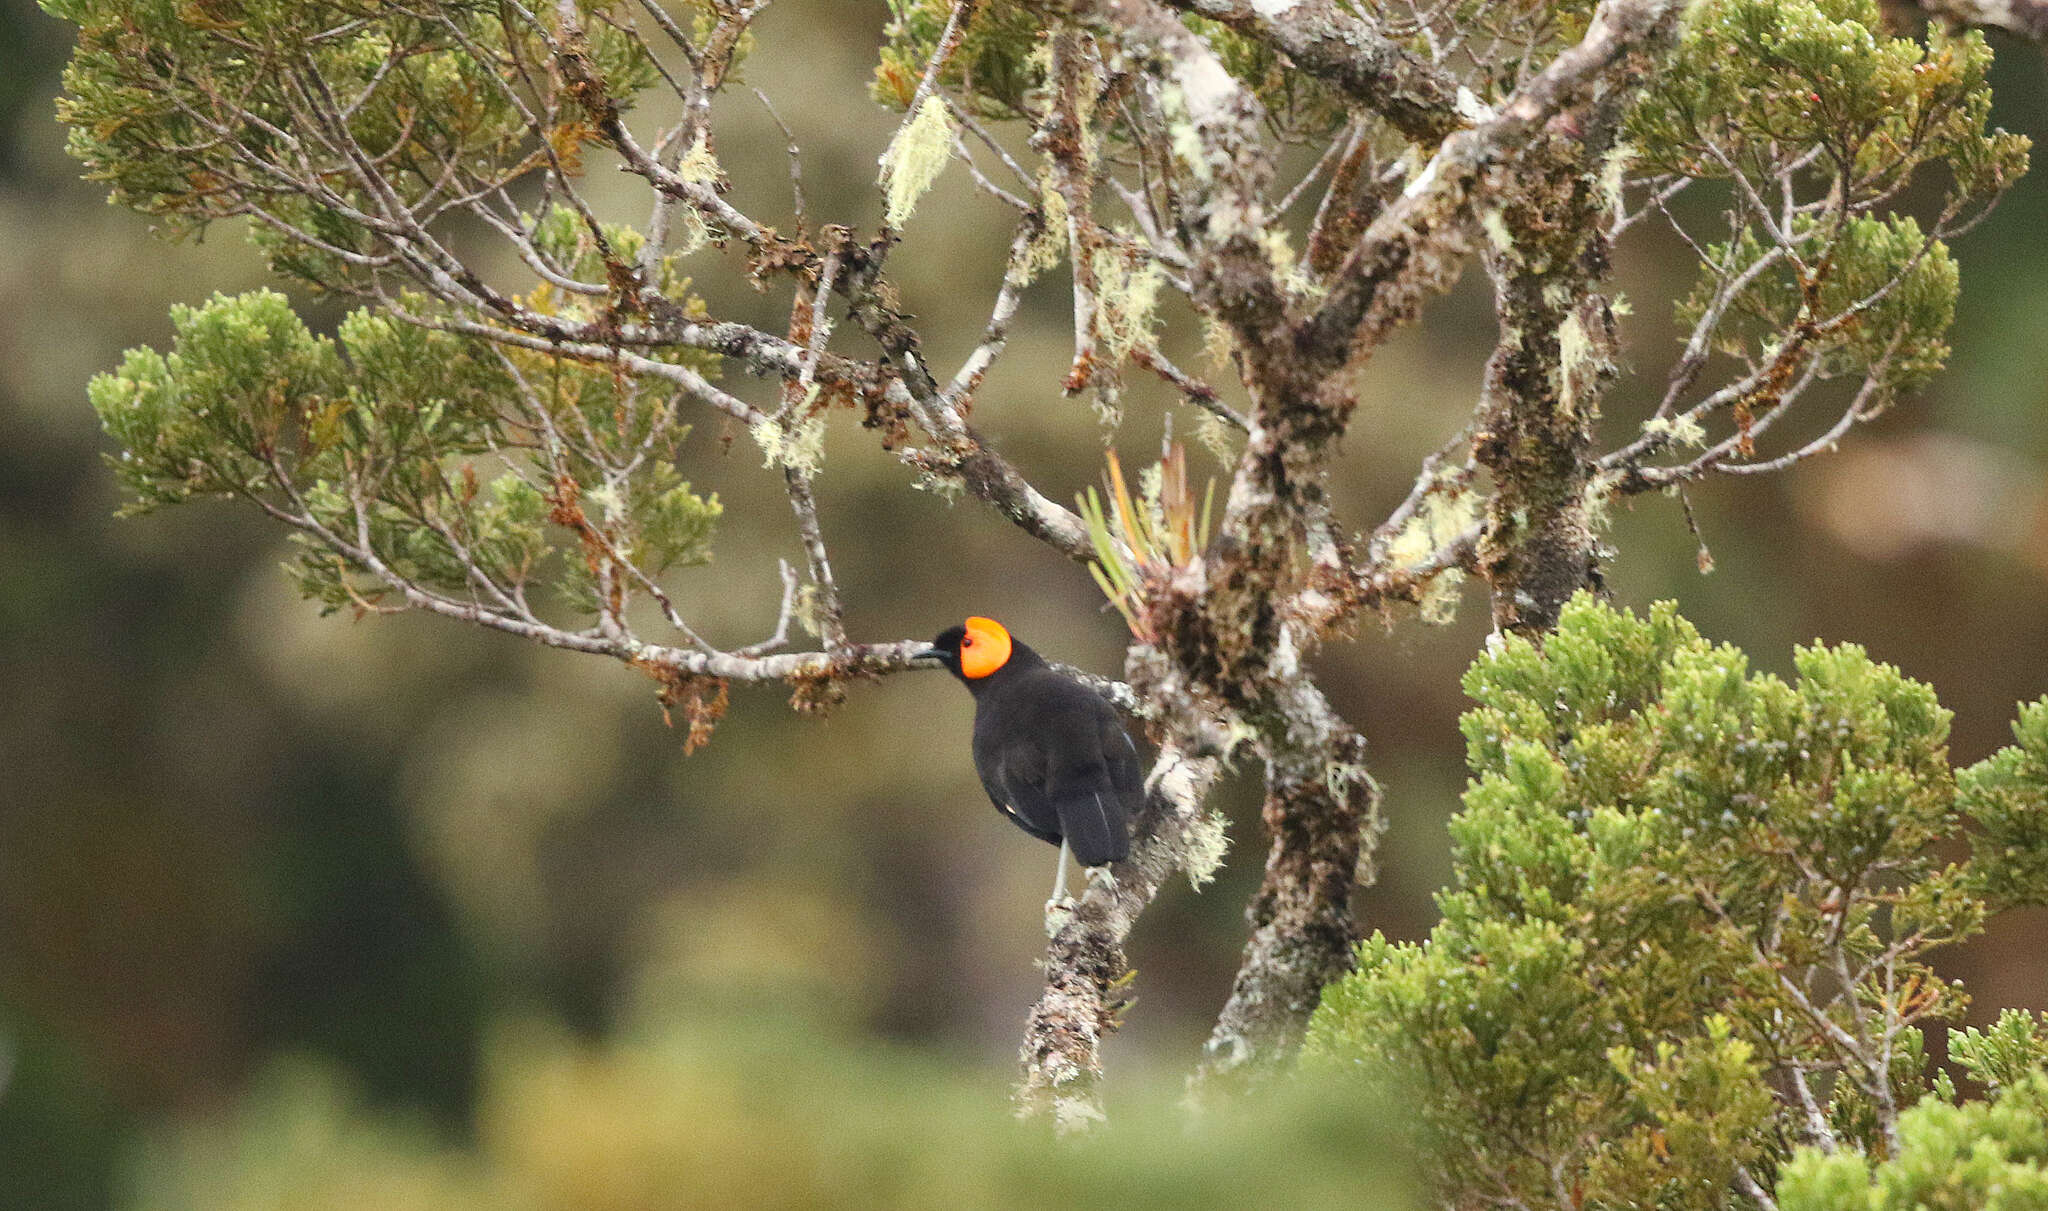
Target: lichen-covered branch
1086	973
1548	256
1322	815
1339	45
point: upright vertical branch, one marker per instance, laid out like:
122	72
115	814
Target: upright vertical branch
1543	384
1063	140
1322	812
1227	625
1548	219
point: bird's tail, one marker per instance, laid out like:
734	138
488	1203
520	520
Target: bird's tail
1093	821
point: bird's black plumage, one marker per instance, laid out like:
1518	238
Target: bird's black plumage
1050	751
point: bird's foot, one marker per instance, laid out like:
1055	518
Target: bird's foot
1058	911
1099	875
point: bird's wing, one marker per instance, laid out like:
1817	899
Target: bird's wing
1126	767
1087	789
1016	783
990	774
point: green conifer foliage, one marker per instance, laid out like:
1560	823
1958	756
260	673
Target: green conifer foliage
1688	930
1684	960
1814	92
1990	1154
391	437
159	93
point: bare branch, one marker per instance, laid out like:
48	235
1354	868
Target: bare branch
1412	247
2021	18
1341	47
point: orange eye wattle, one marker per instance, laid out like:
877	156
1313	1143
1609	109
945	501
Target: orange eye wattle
985	648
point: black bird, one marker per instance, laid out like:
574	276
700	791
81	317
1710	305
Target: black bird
1049	750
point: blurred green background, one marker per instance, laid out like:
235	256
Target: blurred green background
410	915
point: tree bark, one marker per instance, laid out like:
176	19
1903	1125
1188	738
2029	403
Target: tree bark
1322	813
1547	219
1543	385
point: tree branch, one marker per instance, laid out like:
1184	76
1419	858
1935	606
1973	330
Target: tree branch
1085	968
2021	18
1414	246
1352	55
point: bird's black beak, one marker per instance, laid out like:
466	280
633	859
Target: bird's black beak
929	656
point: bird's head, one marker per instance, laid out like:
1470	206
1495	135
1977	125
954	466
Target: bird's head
973	650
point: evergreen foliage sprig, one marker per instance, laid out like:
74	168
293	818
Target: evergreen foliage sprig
1688	932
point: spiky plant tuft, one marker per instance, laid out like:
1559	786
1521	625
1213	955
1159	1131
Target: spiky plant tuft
1141	539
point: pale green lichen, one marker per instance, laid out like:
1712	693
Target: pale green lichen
609	500
1151	487
1614	175
916	157
809	609
1218	438
1208	839
947	486
1305	286
1441	519
1126	302
1181	135
1575	356
1279	249
1597	500
1050	244
1496	229
798	447
1680	430
1227	222
1219	346
1439	604
1072	1115
1341	776
698	167
1238	737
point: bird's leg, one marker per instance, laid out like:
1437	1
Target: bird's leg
1059	908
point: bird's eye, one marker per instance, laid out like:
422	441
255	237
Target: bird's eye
967	643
